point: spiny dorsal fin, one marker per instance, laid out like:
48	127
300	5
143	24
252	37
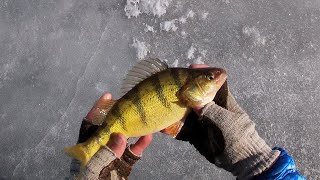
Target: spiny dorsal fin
140	72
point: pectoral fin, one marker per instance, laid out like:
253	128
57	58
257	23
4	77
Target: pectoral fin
174	129
100	111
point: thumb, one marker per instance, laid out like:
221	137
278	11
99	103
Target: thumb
117	144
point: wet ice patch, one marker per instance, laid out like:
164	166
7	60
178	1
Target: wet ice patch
141	48
255	36
134	8
168	26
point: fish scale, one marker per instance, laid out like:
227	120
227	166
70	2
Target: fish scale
158	102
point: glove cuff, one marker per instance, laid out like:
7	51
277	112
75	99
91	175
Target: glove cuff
255	158
105	165
104	157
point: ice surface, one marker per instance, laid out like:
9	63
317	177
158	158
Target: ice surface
58	57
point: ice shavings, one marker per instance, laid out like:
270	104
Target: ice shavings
203	53
184	34
168	26
149	28
183	19
204	15
141	48
196	54
254	34
175	63
198	60
134	8
190	14
250	59
171	26
190	52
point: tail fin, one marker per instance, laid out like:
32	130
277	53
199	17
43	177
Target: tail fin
78	152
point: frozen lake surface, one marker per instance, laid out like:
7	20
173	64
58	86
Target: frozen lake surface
58	57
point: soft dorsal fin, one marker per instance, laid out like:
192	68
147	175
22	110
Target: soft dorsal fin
140	72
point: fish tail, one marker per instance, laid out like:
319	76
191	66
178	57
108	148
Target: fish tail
84	151
79	152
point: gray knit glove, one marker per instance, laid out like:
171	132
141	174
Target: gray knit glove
105	165
226	136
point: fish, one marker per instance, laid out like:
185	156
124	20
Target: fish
155	97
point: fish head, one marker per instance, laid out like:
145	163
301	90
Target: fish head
202	86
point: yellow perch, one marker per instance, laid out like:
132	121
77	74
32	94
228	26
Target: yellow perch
155	98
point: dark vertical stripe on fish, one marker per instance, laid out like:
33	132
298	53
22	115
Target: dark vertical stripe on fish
116	113
176	77
136	100
156	84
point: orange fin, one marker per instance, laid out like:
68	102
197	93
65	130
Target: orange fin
174	129
100	111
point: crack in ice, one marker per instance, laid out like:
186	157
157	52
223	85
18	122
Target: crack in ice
68	107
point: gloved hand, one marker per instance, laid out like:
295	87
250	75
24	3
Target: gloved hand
115	160
223	133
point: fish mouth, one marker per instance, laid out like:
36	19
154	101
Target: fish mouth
220	76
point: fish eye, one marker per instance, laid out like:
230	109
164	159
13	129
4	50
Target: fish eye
210	77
